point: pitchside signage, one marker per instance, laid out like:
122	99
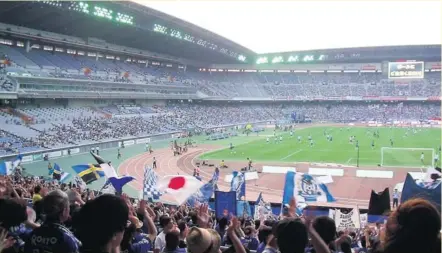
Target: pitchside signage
402	70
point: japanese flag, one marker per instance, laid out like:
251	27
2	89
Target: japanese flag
179	187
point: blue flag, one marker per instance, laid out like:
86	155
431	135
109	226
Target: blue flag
305	189
225	204
119	182
430	191
88	172
238	184
59	174
17	161
57	169
6	168
204	194
150	187
243	208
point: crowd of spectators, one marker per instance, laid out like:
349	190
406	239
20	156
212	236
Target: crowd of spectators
10	143
310	85
229	84
184	116
38	215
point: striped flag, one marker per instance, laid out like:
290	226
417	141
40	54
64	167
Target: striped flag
150	185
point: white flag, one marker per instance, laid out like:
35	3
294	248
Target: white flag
347	220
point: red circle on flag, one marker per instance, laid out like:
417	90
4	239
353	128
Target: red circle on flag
177	183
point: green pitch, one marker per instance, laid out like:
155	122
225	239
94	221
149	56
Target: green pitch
339	150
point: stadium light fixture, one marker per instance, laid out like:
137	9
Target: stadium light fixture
308	58
277	59
293	58
262	60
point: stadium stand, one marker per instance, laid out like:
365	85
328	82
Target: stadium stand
96	79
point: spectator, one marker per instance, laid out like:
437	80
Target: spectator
184	230
37	196
167	224
172	242
12	214
250	241
100	224
413	227
52	236
201	240
291	235
263	236
326	229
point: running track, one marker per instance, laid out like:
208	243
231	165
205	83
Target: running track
167	164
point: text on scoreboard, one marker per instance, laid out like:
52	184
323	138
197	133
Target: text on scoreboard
397	70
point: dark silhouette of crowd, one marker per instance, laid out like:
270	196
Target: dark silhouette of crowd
43	216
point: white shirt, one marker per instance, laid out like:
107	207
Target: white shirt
160	241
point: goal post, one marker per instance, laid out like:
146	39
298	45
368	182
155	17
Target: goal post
407	157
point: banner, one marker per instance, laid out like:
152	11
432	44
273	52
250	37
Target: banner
363	219
225	203
143	140
304	188
75	150
347	220
379	202
429	191
37	157
238	184
262	209
27	159
129	143
54	154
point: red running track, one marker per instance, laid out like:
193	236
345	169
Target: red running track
270	185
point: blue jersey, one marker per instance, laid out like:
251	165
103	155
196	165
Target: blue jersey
250	243
140	243
261	247
52	237
20	234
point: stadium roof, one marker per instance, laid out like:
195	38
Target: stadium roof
284	26
127	24
134	25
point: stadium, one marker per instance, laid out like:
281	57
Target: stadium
141	88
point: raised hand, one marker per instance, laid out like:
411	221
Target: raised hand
5	241
234	224
203	216
292	208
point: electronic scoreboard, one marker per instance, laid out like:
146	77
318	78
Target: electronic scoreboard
409	70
